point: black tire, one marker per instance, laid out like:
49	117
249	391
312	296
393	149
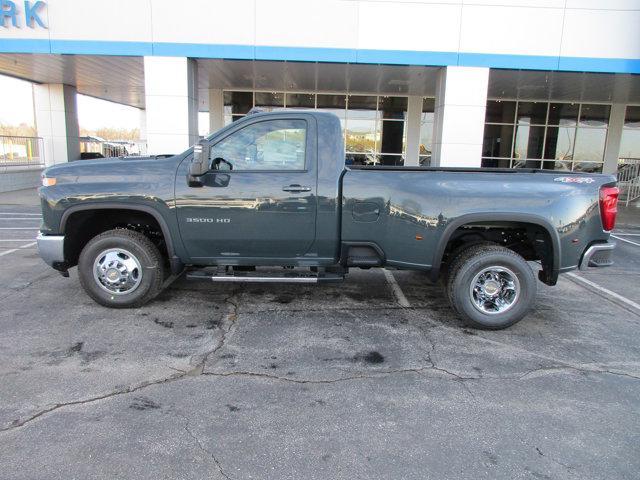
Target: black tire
473	262
149	277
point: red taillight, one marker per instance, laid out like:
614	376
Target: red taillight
608	206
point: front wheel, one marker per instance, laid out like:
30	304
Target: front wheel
121	269
491	287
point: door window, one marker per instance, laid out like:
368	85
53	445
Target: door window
268	145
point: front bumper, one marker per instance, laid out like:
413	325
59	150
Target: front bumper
51	250
598	255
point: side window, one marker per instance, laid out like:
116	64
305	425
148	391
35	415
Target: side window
268	145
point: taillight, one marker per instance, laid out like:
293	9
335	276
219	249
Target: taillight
608	206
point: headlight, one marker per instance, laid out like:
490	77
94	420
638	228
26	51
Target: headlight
48	181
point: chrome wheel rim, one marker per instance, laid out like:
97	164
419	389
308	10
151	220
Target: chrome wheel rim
117	271
494	290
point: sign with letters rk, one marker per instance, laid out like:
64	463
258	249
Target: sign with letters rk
12	16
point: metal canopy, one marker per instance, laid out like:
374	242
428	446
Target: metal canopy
121	79
117	79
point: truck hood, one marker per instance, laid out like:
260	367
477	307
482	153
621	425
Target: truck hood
123	166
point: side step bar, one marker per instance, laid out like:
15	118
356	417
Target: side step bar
248	277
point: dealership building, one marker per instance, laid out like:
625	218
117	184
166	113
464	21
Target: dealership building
464	83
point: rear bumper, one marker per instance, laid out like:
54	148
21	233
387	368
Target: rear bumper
598	255
51	249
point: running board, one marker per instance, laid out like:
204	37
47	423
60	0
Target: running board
251	277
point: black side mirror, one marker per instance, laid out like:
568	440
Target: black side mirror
199	164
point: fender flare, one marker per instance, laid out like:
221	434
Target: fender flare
123	206
492	217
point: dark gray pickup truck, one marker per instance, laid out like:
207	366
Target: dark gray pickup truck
272	190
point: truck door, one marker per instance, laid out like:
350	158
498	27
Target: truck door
259	196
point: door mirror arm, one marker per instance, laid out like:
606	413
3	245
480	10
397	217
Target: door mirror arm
199	164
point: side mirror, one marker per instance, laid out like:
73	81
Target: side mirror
199	164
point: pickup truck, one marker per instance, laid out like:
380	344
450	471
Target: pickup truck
272	190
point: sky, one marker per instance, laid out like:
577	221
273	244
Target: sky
16	106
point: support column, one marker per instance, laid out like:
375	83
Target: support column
461	100
56	116
414	114
171	101
216	110
614	137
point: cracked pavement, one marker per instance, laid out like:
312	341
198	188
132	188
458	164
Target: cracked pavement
331	381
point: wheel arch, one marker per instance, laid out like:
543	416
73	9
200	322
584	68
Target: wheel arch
164	227
549	278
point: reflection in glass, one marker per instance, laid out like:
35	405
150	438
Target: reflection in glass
630	143
425	160
497	141
238	102
301	100
361	135
527	163
589	167
393	107
590	144
495	163
269	101
532	113
500	112
426	137
392	137
528	142
562	166
564	114
594	115
559	143
632	117
428	104
362	107
336	104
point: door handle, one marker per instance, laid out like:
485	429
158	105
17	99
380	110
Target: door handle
296	188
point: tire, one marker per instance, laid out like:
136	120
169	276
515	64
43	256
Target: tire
509	282
121	250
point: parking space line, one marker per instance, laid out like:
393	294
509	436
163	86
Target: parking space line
605	291
13	250
21	213
624	234
19	228
32	219
626	241
397	291
16	240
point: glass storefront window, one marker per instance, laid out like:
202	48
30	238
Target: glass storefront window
550	135
590	144
301	100
374	127
630	142
394	107
497	141
564	114
269	101
238	103
528	142
594	115
499	111
532	113
559	143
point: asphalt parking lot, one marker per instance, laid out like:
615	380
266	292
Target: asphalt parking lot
326	382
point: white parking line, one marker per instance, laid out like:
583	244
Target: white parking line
625	240
627	234
397	291
605	291
13	250
32	219
18	228
21	213
16	239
